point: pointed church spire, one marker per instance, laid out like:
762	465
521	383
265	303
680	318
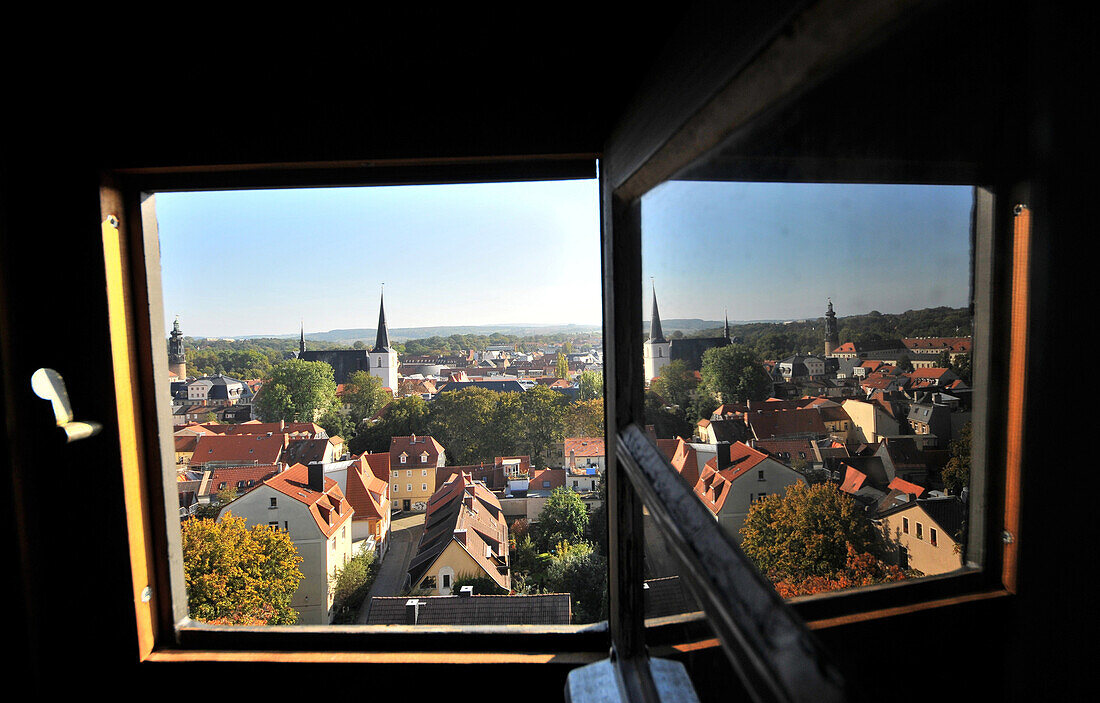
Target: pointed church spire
382	342
727	328
302	341
655	333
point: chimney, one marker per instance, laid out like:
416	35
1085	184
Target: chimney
460	535
317	477
466	591
413	438
412	611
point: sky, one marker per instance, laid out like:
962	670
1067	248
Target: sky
238	263
765	251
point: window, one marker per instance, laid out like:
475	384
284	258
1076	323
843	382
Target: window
274	503
905	525
446	578
920	531
932	536
409	488
423	486
396	488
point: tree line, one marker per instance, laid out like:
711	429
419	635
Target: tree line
778	340
474	424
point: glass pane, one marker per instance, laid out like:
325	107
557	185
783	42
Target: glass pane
807	361
402	452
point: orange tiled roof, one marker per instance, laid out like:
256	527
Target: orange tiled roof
906	487
853	479
246	449
329	508
585	446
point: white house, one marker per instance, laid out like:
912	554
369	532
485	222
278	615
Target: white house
313	511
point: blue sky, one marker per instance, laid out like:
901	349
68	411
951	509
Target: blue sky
778	250
258	262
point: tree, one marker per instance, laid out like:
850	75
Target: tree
584	418
590	385
237	575
563	519
956	473
675	384
359	344
350	586
365	394
577	569
806	532
859	570
463	422
400	418
734	374
297	391
904	364
561	367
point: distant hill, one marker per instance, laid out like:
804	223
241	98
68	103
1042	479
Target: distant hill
695	324
401	334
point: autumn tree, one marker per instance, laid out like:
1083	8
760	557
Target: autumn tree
297	391
563	518
675	384
734	374
860	569
806	532
956	473
463	422
237	575
584	418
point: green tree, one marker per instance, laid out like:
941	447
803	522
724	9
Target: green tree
956	473
806	532
350	585
541	420
590	385
359	344
463	422
561	367
579	570
365	394
400	418
904	364
297	391
237	575
563	518
734	374
675	384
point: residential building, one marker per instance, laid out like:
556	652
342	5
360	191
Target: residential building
926	533
413	464
369	496
317	517
465	535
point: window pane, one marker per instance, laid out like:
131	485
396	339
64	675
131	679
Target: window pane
807	362
480	364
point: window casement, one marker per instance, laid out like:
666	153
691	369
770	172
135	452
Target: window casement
628	486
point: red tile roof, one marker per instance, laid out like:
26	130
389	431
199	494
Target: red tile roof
853	479
329	508
241	449
554	477
743	459
585	446
712	488
252	476
368	494
906	487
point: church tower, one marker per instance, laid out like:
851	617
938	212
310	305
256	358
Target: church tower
383	358
177	358
656	350
302	341
832	336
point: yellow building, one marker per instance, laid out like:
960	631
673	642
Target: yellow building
925	533
413	464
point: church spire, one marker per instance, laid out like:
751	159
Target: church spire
727	328
302	341
655	333
382	342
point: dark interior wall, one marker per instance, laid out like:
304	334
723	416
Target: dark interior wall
462	86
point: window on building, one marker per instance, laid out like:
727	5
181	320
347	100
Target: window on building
920	531
905	525
932	536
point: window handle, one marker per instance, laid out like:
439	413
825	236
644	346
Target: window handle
48	385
